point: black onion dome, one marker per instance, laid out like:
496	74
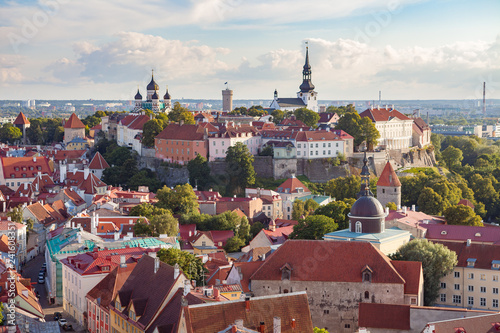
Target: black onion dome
138	95
306	86
155	96
167	95
152	85
367	206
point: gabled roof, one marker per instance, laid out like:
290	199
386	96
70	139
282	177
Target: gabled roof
388	177
107	289
410	271
247	269
420	123
40	213
25	167
290	102
292	185
336	255
292	121
89	185
74	122
484	254
21	120
98	162
384	316
481	323
69	155
74	197
217	316
383	114
183	132
316	136
448	232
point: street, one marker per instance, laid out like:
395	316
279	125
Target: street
31	270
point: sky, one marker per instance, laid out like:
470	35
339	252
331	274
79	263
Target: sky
96	49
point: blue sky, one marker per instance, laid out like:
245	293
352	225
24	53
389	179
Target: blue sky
409	49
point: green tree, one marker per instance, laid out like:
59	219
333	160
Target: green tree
452	157
462	215
391	206
239	166
308	117
336	210
146	210
278	116
10	133
164	224
350	123
341	110
180	200
150	130
234	244
191	266
141	228
199	172
343	187
298	210
16	215
256	228
145	177
267	151
180	113
430	202
319	330
34	135
244	229
116	155
369	132
313	227
437	261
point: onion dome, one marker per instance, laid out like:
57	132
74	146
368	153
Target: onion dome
152	85
138	95
167	95
367	206
155	96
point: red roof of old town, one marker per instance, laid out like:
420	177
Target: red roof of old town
388	177
21	119
74	122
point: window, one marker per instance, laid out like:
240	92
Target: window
298	153
324	152
457	299
495	278
214	143
326	311
299	146
470	301
347	325
367	295
495	303
470	276
483	277
470	288
483	289
457	274
358	227
457	286
495	290
316	145
482	301
324	145
442	298
443	285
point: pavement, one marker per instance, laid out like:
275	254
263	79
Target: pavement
31	270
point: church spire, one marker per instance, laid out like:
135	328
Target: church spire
306	85
365	179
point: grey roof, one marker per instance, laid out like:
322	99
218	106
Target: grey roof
291	102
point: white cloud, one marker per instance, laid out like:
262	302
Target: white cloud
9	69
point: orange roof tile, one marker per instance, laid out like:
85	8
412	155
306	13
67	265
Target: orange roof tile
25	167
383	114
292	185
98	162
385	316
388	177
21	120
74	122
410	271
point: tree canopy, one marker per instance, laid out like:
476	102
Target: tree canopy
191	266
180	200
313	227
437	261
462	215
199	172
362	129
308	117
150	130
239	166
180	113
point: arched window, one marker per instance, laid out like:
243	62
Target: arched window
367	295
358	227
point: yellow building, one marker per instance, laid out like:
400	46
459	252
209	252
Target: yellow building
230	291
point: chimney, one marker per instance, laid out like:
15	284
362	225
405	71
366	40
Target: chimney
272	225
404	210
85	172
79	238
157	265
176	271
216	293
262	327
239	323
247	303
386	210
276	325
413	208
294	324
34	158
187	287
123	262
469	241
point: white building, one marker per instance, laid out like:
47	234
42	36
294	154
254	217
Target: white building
129	131
228	136
10	228
306	97
396	129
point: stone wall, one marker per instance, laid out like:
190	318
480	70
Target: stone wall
334	305
321	170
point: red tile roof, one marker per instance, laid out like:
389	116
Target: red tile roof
467	203
410	271
89	185
70	155
383	114
316	136
462	233
388	177
217	316
135	122
106	290
183	132
292	184
21	120
25	167
384	316
247	269
487	323
98	162
74	122
41	214
484	254
330	265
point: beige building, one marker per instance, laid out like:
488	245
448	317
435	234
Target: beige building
337	276
474	282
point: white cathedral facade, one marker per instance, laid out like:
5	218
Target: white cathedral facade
306	97
153	101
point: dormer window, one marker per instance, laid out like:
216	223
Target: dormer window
495	264
366	274
131	315
471	262
286	272
118	306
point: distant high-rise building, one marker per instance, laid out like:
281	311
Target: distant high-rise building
227	100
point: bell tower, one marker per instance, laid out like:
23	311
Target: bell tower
307	93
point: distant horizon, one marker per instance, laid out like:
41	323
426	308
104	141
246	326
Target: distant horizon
405	48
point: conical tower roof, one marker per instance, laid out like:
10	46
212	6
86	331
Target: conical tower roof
74	122
388	177
21	119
